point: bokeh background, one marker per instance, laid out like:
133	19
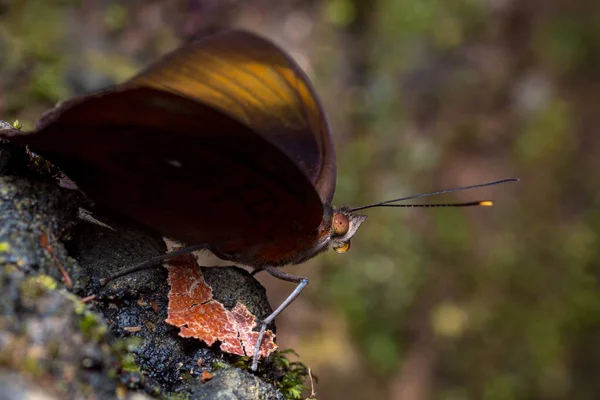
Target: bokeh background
480	303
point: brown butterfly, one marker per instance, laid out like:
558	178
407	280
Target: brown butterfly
222	144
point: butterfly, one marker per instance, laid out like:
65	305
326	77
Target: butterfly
222	144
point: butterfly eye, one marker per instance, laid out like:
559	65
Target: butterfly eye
340	224
343	248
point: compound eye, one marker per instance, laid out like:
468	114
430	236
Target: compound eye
341	224
343	248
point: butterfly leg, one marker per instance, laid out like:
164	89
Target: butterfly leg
152	262
280	274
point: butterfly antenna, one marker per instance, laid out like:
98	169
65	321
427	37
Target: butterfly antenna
485	203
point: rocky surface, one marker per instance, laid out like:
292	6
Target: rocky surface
116	344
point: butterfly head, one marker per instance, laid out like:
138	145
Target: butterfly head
344	225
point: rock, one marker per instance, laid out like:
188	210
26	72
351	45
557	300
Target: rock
233	383
116	345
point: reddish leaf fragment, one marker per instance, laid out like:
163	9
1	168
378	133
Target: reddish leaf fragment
244	318
206	376
193	309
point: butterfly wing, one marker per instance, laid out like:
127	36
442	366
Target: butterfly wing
178	166
252	80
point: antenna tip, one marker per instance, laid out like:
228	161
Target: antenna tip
486	203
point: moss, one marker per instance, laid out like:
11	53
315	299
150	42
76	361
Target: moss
5	247
178	396
79	308
219	365
128	363
46	282
35	286
243	363
91	327
295	375
124	349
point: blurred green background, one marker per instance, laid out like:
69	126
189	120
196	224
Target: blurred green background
452	304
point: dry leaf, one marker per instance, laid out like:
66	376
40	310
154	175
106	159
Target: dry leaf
193	309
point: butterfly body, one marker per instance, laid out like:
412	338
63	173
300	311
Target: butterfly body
294	250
